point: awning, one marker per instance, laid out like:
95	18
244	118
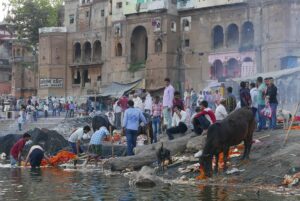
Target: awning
274	74
118	89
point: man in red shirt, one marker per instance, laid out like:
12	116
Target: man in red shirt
16	150
203	119
123	103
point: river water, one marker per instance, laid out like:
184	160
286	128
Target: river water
59	185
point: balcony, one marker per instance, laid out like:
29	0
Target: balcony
22	59
157	5
185	4
213	3
132	7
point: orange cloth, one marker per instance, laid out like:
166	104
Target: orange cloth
59	158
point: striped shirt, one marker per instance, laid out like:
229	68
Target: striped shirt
157	109
98	136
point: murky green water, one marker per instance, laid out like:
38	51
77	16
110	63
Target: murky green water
59	185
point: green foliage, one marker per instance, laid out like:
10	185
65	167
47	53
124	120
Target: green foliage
30	15
136	66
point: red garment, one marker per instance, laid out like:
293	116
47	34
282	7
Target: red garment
123	103
178	102
208	112
67	106
17	148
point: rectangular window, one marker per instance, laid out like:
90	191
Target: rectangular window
71	18
87	14
102	13
119	5
187	43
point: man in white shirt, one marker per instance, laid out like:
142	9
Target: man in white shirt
138	103
221	112
148	104
168	103
118	114
254	98
178	123
76	138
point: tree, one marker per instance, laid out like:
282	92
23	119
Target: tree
30	15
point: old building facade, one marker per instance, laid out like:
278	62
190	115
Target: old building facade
190	41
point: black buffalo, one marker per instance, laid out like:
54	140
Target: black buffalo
237	127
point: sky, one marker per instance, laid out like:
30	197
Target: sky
2	11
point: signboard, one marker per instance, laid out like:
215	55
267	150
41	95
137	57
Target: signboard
51	82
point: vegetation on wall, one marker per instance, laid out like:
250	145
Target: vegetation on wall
134	67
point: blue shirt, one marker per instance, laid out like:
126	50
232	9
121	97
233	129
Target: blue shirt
98	136
132	118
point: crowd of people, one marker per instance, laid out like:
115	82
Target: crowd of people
196	111
170	114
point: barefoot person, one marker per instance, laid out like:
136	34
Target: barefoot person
17	148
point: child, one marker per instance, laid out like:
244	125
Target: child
20	122
95	145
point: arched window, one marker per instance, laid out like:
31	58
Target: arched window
119	50
232	35
247	35
87	52
217	37
139	45
233	68
217	70
97	54
247	59
158	46
77	52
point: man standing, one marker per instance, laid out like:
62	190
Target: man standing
168	103
254	104
138	103
156	118
230	100
178	123
272	96
72	109
67	108
148	104
245	96
16	150
123	103
132	118
118	114
261	103
221	112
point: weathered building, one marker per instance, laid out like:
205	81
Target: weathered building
190	41
6	36
24	70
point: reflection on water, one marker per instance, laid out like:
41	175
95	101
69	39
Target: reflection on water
59	185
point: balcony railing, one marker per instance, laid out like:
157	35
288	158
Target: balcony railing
212	3
185	4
